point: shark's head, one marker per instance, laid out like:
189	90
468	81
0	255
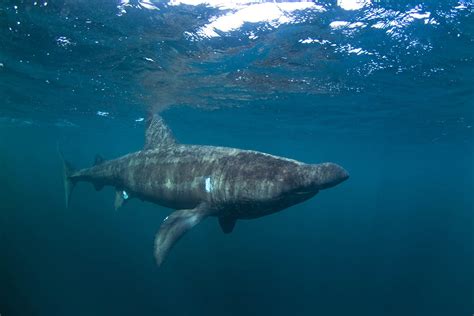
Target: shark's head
307	180
324	175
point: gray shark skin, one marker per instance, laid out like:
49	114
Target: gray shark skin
203	181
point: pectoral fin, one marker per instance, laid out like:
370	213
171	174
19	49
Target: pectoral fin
227	224
173	228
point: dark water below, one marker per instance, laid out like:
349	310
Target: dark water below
397	238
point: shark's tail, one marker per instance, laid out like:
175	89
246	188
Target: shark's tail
69	184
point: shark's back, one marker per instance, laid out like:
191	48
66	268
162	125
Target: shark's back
182	176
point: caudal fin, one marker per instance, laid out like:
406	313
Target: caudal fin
69	184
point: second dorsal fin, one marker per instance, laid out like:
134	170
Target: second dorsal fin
157	133
98	160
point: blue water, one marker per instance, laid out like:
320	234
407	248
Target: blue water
383	88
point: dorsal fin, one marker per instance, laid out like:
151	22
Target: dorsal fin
98	160
157	134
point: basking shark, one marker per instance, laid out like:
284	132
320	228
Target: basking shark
201	181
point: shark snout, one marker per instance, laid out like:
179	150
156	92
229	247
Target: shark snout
330	174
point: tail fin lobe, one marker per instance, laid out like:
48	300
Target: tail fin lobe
69	183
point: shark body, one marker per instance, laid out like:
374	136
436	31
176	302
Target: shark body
202	181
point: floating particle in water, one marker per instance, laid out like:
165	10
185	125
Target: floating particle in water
63	41
102	113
